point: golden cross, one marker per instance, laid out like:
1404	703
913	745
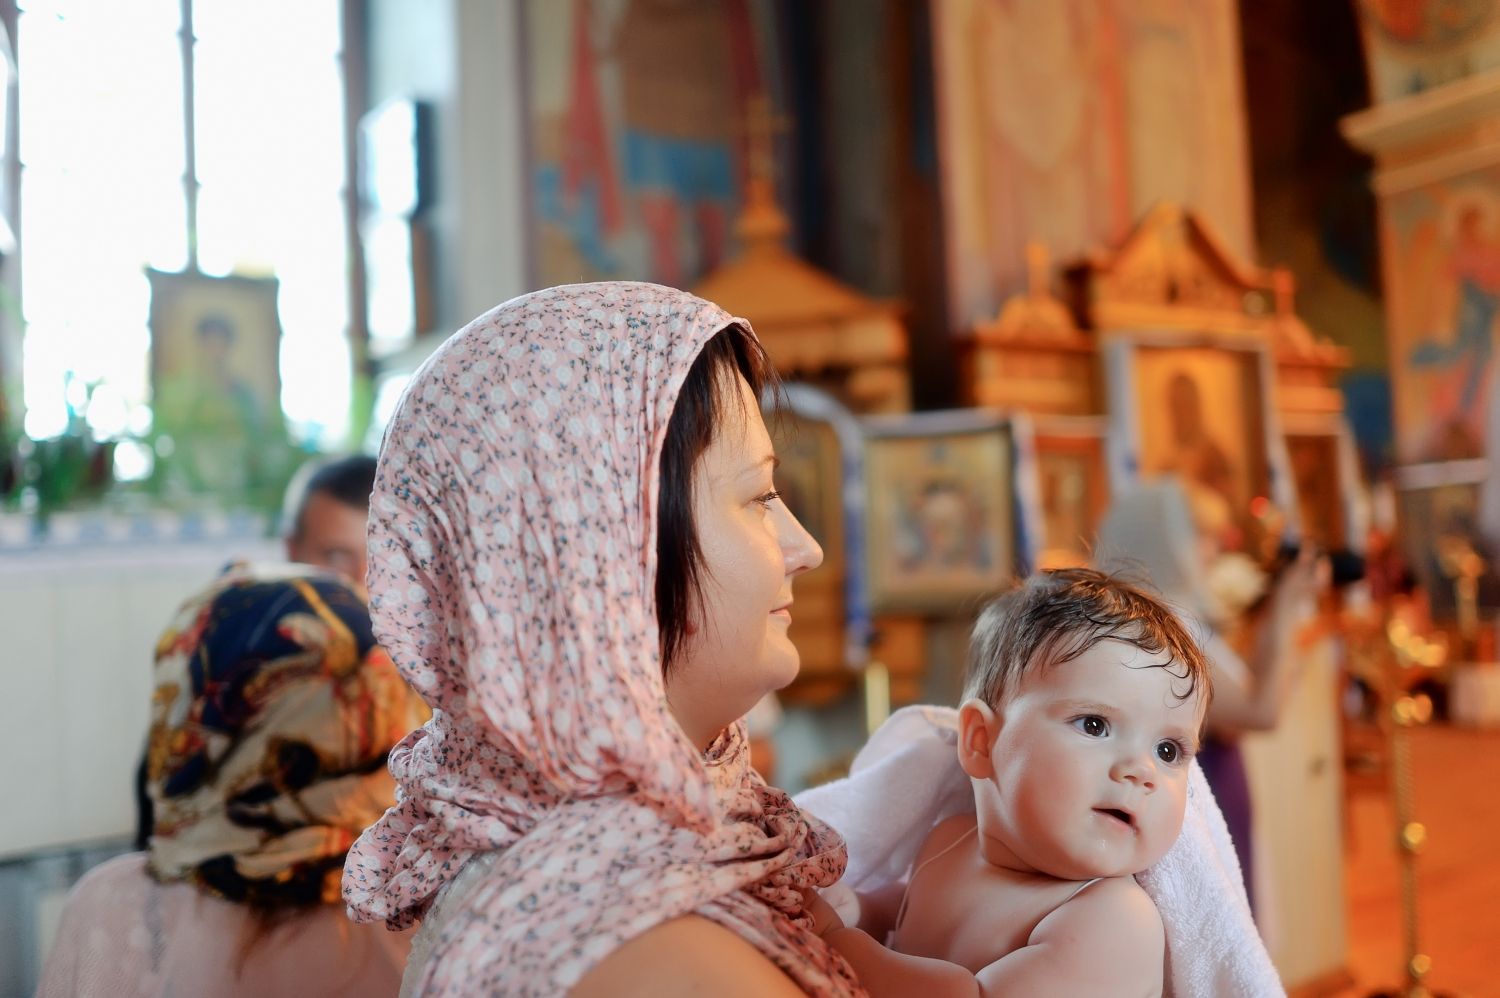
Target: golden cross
1038	263
1284	286
761	126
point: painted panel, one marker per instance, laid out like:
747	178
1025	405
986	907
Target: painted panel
1443	293
635	125
1065	121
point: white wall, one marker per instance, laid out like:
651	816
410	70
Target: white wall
465	57
80	625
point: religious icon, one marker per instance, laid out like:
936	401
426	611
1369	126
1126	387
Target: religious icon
1436	517
1320	500
813	436
1072	494
215	379
940	509
1200	416
808	476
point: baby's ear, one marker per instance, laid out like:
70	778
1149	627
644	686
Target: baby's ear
978	724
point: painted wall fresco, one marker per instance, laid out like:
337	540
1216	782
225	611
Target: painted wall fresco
1415	45
636	115
1065	120
1445	241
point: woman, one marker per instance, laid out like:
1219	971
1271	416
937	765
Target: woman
578	557
1173	535
271	718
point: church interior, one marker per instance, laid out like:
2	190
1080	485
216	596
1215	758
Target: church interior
1010	258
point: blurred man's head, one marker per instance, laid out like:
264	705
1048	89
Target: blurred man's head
325	516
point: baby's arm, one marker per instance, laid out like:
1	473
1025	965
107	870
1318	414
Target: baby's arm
883	971
1106	941
888	974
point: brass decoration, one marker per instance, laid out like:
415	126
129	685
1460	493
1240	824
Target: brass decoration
1397	659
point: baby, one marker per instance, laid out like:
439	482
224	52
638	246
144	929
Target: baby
1082	707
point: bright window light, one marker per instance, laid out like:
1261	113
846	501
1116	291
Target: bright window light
102	195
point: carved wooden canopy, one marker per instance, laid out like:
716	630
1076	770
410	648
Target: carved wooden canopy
1172	272
815	328
1172	277
1033	357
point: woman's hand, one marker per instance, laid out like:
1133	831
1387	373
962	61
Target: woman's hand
1250	695
1303	579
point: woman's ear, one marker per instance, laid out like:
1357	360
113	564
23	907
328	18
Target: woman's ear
978	724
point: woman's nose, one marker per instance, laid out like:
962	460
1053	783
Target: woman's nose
800	550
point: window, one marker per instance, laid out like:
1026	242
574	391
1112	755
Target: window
104	150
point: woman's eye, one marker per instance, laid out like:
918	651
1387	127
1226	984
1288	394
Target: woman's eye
1169	752
768	498
1093	725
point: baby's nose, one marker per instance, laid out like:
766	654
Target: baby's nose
1135	768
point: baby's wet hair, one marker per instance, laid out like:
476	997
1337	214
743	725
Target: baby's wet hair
1055	616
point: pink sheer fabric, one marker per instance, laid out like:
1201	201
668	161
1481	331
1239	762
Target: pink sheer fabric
125	935
512	568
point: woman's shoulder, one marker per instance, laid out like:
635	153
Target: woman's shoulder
109	885
93	938
685	956
126	870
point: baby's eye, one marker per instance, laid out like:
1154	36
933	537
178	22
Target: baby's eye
1169	752
1092	725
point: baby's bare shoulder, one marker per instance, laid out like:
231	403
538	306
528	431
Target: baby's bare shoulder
1106	940
1118	902
1115	922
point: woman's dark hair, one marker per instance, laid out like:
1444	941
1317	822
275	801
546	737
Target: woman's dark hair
696	419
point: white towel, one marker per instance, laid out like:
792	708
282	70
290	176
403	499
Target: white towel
906	779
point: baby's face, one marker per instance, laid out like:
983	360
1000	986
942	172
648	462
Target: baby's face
1091	766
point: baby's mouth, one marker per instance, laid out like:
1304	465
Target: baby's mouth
1123	817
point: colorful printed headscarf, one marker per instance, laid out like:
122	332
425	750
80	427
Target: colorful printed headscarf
512	568
273	714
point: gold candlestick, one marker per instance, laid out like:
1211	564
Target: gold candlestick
877	688
1409	655
1459	562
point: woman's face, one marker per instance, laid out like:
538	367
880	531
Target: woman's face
737	649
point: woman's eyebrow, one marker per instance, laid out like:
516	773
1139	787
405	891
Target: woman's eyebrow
755	466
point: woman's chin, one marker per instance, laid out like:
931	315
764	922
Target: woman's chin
782	667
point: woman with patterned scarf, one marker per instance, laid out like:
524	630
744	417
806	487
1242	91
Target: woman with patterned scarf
272	715
579	559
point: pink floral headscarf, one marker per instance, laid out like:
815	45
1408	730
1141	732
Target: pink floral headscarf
512	579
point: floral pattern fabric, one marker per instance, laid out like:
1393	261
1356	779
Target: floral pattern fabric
512	568
272	716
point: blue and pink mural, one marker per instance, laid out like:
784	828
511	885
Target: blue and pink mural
637	131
